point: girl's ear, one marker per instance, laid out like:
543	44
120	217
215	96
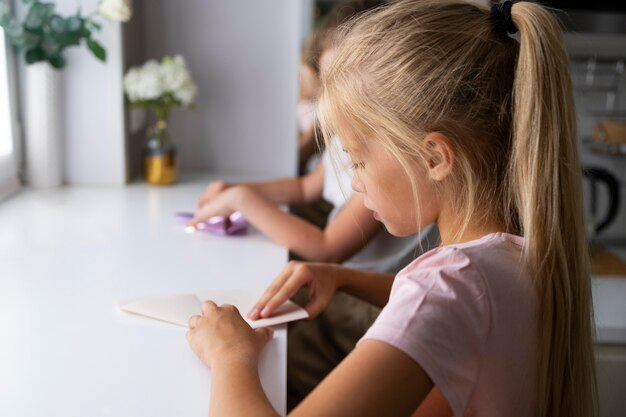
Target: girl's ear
440	156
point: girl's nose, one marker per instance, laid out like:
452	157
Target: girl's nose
356	183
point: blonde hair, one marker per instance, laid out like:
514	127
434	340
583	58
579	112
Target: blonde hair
423	66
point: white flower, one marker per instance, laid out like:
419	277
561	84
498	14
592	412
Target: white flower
186	93
154	79
150	85
131	81
177	79
144	83
118	10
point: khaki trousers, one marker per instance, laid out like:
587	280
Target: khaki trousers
315	347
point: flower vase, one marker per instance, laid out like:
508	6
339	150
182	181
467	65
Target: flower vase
43	124
159	156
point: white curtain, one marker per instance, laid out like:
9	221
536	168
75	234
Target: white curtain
8	116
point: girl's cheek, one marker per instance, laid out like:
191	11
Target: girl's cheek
357	184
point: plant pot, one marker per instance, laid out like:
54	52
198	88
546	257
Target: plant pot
160	157
43	126
160	167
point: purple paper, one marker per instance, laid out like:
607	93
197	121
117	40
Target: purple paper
235	224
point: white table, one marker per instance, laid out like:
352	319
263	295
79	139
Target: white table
67	255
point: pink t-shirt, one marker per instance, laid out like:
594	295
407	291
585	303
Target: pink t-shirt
466	314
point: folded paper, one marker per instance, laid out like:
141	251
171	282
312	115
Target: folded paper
177	309
235	224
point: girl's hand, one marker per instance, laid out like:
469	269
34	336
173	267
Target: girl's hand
223	203
321	279
213	189
221	334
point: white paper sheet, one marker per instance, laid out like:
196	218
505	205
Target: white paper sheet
177	309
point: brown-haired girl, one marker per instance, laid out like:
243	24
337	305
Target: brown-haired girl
448	119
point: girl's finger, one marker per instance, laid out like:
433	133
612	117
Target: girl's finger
314	307
208	307
264	335
193	222
268	294
230	308
283	294
198	217
193	321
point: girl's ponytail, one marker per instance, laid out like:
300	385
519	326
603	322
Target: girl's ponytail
545	176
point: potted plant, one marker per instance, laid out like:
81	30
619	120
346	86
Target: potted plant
44	34
42	37
160	86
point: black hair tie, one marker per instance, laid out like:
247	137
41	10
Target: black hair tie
501	15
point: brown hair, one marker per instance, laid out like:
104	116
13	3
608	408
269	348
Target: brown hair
422	66
311	53
340	14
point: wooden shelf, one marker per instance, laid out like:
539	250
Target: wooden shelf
604	149
605	262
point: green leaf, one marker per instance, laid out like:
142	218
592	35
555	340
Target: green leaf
5	21
47	10
97	49
57	24
5	14
74	23
14	31
57	61
70	39
28	40
34	55
94	25
51	47
36	16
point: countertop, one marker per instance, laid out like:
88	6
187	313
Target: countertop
608	270
68	254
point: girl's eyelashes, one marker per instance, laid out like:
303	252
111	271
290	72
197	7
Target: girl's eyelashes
357	165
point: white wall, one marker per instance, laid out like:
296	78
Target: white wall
244	57
94	118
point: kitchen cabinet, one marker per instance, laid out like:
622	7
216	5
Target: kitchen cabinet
609	298
611	371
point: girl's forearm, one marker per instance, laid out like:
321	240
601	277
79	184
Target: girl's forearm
300	236
236	391
373	287
300	190
286	191
281	191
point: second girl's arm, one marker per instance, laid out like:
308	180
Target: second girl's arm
297	190
345	235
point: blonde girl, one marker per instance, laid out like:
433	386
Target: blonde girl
448	119
351	236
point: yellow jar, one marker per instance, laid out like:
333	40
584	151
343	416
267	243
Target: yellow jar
160	169
160	157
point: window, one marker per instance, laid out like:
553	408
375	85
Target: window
8	157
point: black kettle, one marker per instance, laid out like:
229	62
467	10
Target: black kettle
597	176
